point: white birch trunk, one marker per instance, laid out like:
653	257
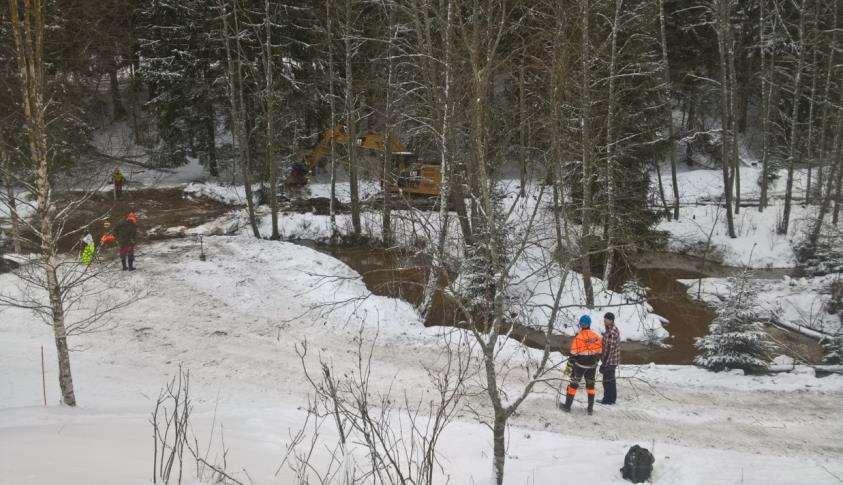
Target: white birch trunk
28	34
609	179
438	263
668	87
332	210
270	136
794	117
351	123
722	24
586	153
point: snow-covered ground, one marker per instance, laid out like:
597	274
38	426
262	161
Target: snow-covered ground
702	222
797	303
706	185
534	279
234	319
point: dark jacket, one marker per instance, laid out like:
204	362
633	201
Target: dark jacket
126	233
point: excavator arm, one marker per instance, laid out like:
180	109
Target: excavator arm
370	141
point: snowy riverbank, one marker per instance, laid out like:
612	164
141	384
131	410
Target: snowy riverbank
799	304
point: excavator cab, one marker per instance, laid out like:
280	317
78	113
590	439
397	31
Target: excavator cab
413	177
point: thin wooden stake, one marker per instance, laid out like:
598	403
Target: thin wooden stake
43	378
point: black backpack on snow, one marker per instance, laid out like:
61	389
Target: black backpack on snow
638	464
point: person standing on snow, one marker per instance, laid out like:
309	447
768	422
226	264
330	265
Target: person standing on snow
585	353
88	250
118	179
610	359
126	233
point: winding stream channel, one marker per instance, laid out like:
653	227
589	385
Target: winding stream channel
394	274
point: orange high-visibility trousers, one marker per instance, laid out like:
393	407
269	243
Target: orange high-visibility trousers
576	375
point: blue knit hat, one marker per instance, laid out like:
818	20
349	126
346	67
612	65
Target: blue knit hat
585	321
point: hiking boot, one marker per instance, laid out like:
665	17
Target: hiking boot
567	406
590	405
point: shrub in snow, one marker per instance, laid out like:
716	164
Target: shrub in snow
634	291
736	339
835	304
833	349
826	257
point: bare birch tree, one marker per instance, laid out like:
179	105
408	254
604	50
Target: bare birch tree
793	136
767	32
269	107
833	176
587	151
329	34
437	69
231	35
27	19
609	176
723	27
352	43
55	286
668	98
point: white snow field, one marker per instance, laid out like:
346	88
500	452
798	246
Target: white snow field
534	280
234	319
757	244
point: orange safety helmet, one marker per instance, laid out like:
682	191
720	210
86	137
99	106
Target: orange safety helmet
132	217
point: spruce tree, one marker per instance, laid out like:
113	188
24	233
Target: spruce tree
736	339
178	60
481	289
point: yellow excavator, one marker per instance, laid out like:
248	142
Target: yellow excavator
409	176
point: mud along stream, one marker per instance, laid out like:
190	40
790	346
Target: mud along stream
395	274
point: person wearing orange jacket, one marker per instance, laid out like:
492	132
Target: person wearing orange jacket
586	349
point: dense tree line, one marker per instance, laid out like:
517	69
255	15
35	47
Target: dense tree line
649	85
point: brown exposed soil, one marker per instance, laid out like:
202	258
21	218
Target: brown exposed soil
155	208
7	266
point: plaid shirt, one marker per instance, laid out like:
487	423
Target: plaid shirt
611	346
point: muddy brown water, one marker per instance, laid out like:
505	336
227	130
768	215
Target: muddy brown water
396	274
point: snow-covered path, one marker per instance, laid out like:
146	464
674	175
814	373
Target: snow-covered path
233	321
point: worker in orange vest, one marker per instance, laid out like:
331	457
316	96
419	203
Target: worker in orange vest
126	232
585	353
